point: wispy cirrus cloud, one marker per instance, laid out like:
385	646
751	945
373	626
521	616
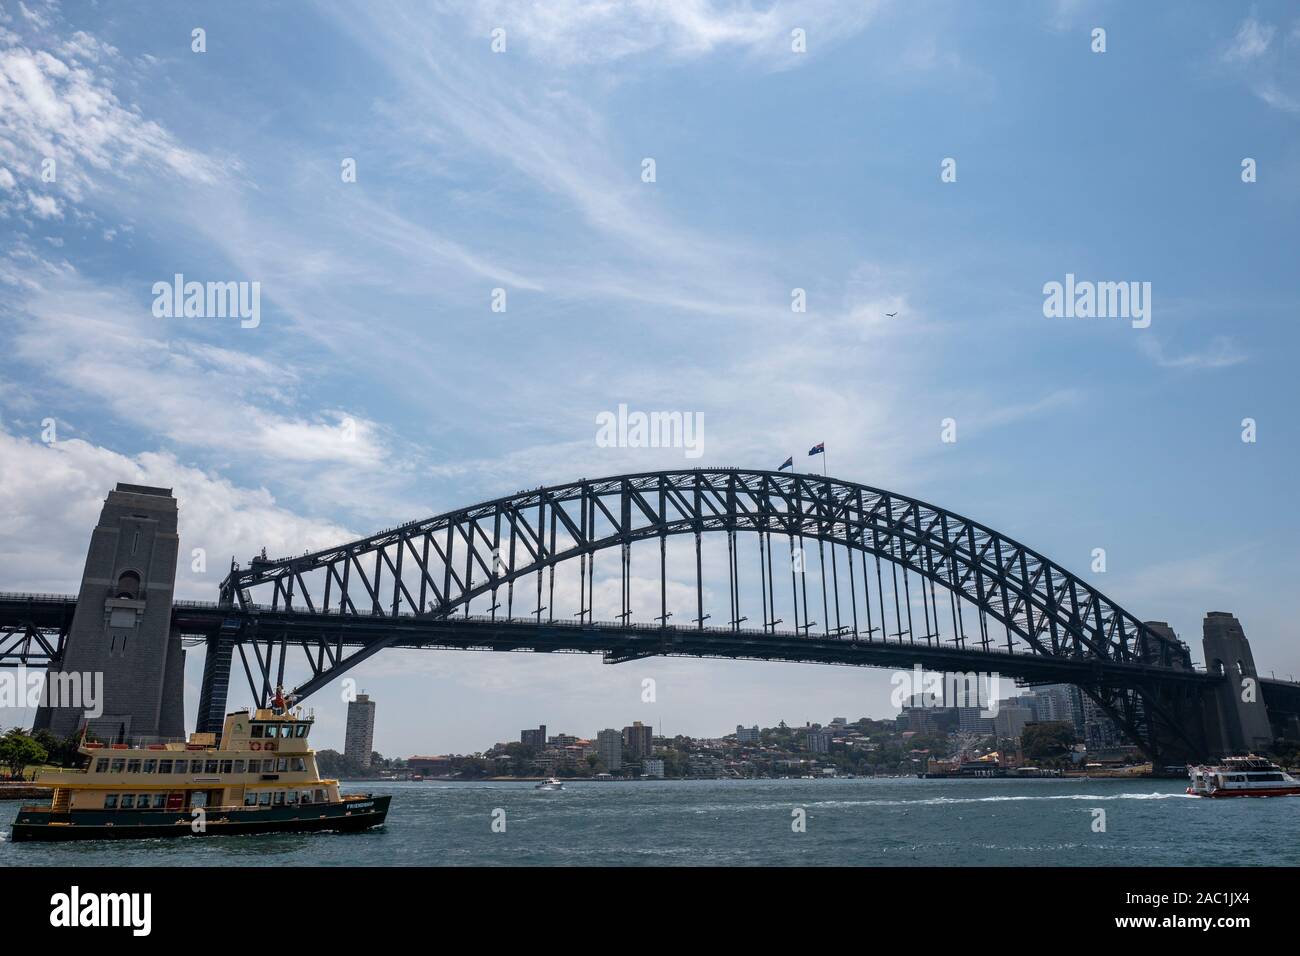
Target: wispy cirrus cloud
1221	352
1264	57
569	32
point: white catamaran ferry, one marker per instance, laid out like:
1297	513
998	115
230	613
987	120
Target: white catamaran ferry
1250	776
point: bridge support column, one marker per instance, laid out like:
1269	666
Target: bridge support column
121	636
1239	718
216	681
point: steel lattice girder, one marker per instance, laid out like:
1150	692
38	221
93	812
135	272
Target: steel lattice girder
436	566
30	645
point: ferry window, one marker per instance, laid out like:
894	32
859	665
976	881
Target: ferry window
300	730
164	766
239	766
196	766
142	802
159	801
226	765
133	766
298	764
250	798
293	797
258	730
279	798
128	801
264	798
101	765
110	801
254	766
282	764
305	797
320	796
210	766
150	766
118	764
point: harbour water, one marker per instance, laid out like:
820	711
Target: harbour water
880	822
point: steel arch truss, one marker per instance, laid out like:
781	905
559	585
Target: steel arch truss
436	567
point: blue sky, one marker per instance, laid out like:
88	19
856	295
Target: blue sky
380	386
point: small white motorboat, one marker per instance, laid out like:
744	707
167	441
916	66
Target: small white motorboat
551	783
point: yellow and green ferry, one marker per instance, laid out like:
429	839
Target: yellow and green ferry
261	777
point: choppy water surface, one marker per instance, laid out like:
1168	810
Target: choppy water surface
897	822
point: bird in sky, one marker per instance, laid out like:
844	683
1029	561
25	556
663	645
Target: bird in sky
890	314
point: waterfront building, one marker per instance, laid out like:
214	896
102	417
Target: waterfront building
818	741
609	747
437	766
652	767
359	735
748	735
534	738
639	740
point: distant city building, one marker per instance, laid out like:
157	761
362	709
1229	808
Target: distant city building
971	720
818	740
639	740
534	738
1099	731
563	740
652	767
609	747
748	735
429	766
1057	702
359	734
706	767
1009	722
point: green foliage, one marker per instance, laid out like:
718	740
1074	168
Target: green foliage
1048	741
17	751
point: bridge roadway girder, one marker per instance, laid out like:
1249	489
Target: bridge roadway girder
1126	690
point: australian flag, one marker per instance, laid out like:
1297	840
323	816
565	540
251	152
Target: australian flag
789	463
818	449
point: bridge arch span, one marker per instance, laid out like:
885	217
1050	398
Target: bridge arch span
435	569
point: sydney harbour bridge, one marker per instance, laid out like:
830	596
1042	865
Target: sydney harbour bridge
801	568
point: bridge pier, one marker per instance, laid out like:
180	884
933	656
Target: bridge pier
1239	716
216	679
121	634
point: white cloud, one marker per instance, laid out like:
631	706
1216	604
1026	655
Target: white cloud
46	207
61	109
1251	41
50	497
568	32
1221	353
92	340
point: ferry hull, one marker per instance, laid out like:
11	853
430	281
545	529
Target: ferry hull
349	817
1276	792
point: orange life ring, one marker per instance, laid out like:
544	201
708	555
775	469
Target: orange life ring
269	745
255	745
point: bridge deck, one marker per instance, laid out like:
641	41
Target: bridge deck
616	641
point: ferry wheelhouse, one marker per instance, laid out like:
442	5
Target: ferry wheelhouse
1250	776
260	777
